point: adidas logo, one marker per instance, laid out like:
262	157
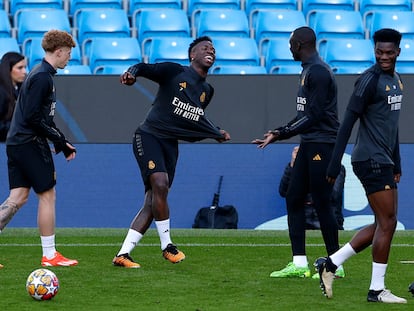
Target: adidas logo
317	157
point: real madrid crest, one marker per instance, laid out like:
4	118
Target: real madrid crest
151	165
183	85
203	97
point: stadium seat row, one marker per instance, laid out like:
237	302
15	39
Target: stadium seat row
269	25
71	6
148	23
113	55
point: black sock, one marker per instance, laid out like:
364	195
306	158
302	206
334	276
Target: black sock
330	266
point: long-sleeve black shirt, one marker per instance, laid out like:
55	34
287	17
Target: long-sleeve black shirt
178	109
35	108
316	104
376	102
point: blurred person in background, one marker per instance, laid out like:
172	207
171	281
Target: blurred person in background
13	70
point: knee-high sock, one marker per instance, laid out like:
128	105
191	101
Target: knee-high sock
163	228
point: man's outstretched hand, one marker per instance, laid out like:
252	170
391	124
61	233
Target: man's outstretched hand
269	137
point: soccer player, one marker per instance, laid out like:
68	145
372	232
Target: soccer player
30	162
376	102
176	114
317	124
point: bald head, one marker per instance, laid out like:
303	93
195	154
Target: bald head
305	36
302	43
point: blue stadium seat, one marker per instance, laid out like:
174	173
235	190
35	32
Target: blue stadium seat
196	6
278	56
5	27
351	69
34	23
348	55
403	21
238	70
8	45
32	49
135	5
16	5
75	5
330	24
405	62
236	51
160	23
75	70
76	55
382	5
309	6
252	7
112	69
286	69
276	24
92	23
113	51
168	49
225	22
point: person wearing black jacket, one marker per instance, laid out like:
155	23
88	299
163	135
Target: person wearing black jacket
13	71
30	162
317	124
337	197
176	114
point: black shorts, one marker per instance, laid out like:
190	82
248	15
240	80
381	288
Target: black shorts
155	154
374	176
31	166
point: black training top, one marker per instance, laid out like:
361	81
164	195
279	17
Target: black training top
35	108
316	105
178	109
376	102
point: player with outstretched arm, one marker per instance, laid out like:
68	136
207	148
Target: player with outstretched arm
317	123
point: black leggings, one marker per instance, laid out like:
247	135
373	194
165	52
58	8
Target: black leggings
309	176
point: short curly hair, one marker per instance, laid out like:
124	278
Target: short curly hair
195	42
56	39
387	35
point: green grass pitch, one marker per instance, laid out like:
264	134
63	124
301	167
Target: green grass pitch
224	270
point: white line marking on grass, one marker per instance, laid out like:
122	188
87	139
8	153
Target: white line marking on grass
181	244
